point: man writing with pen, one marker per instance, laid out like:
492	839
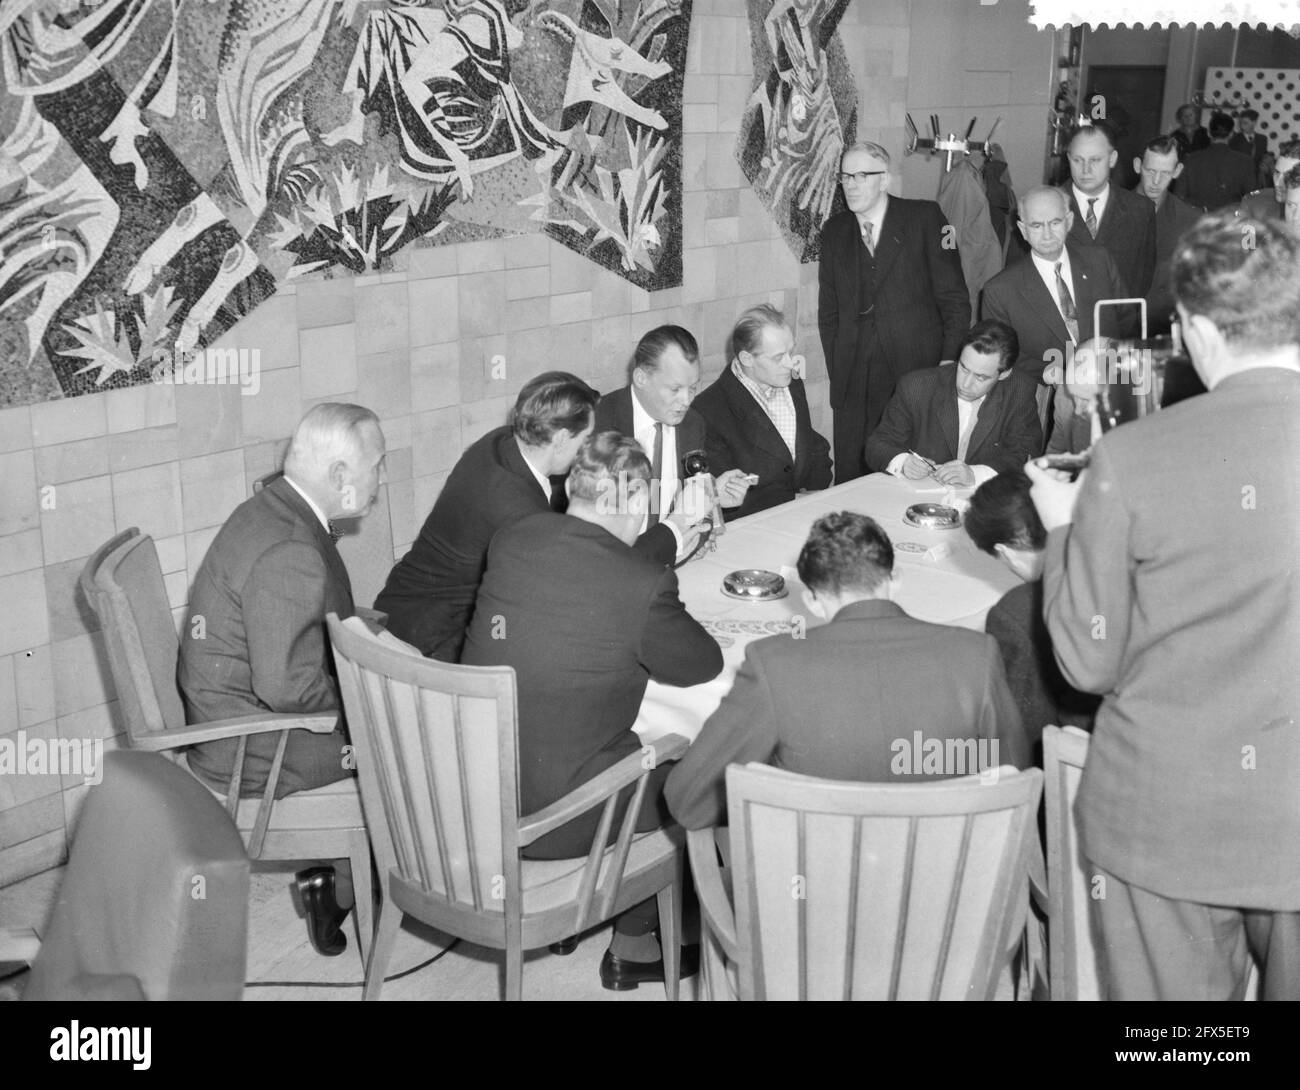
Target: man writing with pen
961	423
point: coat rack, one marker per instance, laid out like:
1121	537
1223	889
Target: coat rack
951	146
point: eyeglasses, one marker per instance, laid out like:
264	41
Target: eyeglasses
859	176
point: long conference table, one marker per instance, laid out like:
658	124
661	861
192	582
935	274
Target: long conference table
942	578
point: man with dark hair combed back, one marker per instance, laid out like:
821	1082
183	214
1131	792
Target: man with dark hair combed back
1169	586
501	478
1266	204
586	622
1157	170
850	698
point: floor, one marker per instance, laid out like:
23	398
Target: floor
283	965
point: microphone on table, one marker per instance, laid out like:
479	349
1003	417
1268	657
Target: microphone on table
695	462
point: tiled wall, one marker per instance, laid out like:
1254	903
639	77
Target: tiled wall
419	345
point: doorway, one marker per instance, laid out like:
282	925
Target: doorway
1132	95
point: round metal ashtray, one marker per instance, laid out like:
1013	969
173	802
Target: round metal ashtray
933	516
754	585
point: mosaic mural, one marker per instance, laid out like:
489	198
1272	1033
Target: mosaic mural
802	113
166	163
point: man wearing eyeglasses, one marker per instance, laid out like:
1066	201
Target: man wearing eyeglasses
893	298
1118	220
1048	300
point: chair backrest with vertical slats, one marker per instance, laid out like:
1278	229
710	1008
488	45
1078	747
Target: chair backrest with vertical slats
877	891
1072	955
436	759
123	582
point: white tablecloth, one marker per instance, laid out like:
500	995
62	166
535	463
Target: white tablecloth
958	588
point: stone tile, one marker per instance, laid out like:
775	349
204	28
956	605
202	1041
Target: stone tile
329	360
530	314
733	95
700	117
15	429
434	377
151	498
434	310
196	548
699	275
272	329
33	856
722	202
71	461
325	302
210	418
571	307
34	683
20	552
397	432
694	161
436	441
20	789
146	447
8	694
611	343
480	418
429	261
609	294
694	214
527	283
722	232
528	250
479	257
384	382
69	612
702	89
171	553
721	171
426	492
397	465
401	511
482	301
177	584
569	348
79	518
211	488
383	319
81	675
571	271
19	498
274	412
149	405
68	419
28	623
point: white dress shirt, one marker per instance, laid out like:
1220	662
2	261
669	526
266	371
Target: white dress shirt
877	220
643	431
1098	209
310	503
967	411
1047	271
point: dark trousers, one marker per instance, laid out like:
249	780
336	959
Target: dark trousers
850	440
1153	947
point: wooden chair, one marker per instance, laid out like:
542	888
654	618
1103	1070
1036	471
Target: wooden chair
154	902
437	755
123	583
869	891
1072	947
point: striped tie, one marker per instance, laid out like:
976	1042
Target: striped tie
1091	220
1068	312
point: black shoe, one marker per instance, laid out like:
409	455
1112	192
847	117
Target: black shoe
324	917
564	947
618	975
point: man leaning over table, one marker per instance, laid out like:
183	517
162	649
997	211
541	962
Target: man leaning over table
586	622
654	409
961	423
1170	587
848	701
757	417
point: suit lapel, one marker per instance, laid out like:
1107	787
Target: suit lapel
946	402
324	543
758	425
987	415
1040	303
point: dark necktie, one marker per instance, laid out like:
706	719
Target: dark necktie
869	237
336	531
657	471
1091	220
1067	305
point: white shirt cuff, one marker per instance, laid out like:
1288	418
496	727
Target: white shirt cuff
896	464
677	536
983	473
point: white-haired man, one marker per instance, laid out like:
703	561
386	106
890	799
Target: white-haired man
256	641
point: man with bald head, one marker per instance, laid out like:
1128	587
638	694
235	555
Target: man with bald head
1048	300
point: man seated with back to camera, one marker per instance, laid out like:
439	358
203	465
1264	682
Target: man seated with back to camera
961	423
1001	521
849	701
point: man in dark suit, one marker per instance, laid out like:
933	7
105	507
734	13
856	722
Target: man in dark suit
1119	221
892	298
585	622
1048	300
1217	176
1169	586
270	576
757	418
1247	141
655	410
501	478
963	422
1001	521
1190	134
852	700
1158	168
1266	204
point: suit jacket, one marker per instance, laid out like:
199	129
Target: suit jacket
846	702
585	621
1174	218
429	595
270	576
1216	177
1183	558
1255	148
1127	232
741	435
1018	296
1261	205
922	416
1042	695
919	309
